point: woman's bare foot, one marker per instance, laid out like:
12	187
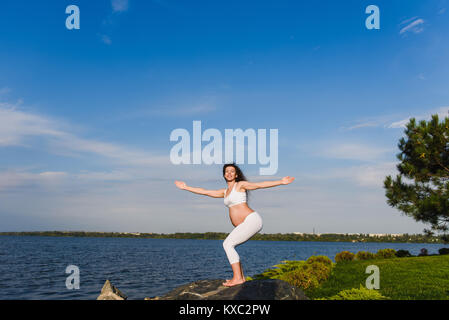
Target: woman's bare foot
238	276
227	280
233	282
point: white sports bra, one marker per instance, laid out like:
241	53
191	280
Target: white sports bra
235	197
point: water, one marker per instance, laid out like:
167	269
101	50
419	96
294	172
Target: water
33	267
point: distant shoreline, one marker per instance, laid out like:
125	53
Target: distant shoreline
328	237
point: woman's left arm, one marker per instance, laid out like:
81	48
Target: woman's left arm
266	184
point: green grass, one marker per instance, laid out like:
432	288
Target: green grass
412	278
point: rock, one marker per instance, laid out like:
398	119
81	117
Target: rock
109	292
271	289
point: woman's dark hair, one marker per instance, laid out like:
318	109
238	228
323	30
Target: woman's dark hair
239	173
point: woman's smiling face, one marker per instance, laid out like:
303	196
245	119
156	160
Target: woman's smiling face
230	173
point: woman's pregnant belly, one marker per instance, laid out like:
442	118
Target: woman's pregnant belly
238	213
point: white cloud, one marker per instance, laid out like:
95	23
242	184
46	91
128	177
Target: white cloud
106	39
361	125
11	179
400	123
389	122
376	121
414	27
119	5
122	154
15	125
206	104
332	149
352	151
53	174
407	21
367	175
442	113
18	126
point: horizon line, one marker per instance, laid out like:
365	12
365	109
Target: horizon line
295	233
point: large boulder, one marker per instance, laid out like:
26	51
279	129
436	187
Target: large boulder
271	289
109	292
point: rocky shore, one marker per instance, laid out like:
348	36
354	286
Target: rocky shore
271	289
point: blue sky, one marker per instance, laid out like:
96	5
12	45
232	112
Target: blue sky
86	115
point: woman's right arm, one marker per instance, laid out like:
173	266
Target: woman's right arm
211	193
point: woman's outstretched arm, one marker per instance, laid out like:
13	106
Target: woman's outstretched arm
211	193
266	184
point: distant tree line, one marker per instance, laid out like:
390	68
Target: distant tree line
330	237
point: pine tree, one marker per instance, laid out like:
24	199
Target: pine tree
425	162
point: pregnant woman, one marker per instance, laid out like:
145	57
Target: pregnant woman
246	221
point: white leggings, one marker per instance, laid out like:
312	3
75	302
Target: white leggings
249	227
